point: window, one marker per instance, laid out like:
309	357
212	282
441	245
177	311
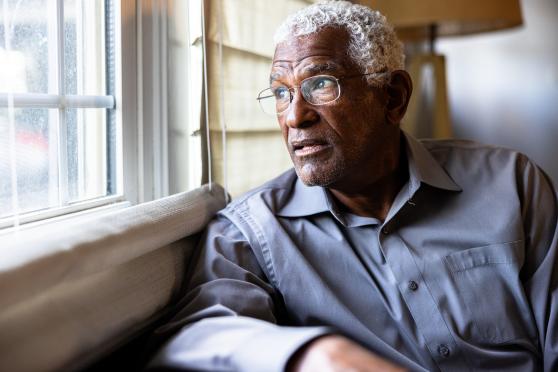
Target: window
58	123
99	104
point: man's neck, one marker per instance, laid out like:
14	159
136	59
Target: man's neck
375	199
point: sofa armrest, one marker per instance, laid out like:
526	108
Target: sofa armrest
70	294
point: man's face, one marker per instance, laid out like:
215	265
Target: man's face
339	143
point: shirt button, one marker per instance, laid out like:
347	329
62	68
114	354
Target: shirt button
444	351
385	231
412	285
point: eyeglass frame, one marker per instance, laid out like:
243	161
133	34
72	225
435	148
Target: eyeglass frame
291	90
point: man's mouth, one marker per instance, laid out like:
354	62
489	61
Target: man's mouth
308	147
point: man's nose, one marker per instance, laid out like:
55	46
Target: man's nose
300	113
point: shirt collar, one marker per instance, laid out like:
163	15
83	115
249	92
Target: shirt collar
304	201
423	168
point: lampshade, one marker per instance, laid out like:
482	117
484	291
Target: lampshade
413	18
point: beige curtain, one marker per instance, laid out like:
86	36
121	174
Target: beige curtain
239	53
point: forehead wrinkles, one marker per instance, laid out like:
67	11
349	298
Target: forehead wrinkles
327	47
305	68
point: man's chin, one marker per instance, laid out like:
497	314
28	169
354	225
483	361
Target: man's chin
311	182
315	177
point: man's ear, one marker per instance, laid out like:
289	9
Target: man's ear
398	89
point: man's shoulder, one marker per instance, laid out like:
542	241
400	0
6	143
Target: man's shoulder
475	164
461	146
447	151
272	194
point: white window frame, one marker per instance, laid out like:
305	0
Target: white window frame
157	98
62	101
141	109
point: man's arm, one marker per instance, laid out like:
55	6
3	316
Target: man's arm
540	271
230	319
230	314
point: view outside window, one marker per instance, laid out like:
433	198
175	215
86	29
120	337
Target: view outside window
56	106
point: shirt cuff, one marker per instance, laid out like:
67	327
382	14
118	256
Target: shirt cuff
271	349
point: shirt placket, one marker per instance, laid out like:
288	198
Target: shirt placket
419	300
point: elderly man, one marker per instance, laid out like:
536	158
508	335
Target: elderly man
377	252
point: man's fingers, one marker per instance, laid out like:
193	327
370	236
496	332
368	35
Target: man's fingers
338	354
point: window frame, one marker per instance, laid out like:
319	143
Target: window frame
62	101
141	110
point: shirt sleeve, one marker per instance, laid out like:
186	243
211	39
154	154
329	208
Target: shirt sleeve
540	271
230	317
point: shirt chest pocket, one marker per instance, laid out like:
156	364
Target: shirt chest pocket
486	283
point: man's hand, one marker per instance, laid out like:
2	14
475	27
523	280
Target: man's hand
333	353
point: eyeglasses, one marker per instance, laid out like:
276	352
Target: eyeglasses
317	90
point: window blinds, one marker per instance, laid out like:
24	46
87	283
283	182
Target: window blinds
239	53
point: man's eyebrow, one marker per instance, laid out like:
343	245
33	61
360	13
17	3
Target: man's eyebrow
321	67
273	77
312	69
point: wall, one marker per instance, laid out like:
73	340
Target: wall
503	87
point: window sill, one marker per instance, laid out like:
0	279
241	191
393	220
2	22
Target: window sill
74	211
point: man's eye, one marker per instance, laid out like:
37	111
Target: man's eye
281	93
322	83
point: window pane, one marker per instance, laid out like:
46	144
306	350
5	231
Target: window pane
87	153
36	160
84	47
5	171
24	46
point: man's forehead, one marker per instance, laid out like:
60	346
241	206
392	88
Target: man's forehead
310	64
314	65
324	50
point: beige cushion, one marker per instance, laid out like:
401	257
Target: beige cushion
68	292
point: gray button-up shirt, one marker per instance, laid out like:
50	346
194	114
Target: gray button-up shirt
460	276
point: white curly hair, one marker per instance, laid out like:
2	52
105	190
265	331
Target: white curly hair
373	44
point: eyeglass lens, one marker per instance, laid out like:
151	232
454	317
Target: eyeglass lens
316	90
